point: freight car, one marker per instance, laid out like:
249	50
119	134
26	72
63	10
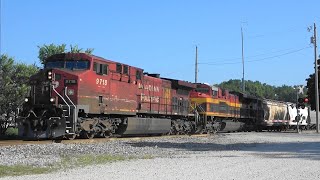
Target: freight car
276	115
77	94
303	118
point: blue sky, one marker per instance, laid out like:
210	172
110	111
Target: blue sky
160	36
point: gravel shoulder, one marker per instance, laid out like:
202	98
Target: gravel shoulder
223	156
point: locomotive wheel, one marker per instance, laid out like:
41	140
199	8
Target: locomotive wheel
105	134
71	136
214	131
88	135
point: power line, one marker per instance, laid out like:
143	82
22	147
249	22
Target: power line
247	57
261	59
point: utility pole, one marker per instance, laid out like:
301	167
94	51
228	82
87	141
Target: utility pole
0	26
297	118
243	85
316	75
196	67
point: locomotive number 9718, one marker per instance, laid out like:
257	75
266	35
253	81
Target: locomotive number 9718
103	82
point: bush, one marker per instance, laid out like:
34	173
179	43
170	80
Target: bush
11	132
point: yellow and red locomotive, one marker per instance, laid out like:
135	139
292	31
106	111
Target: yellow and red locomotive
232	111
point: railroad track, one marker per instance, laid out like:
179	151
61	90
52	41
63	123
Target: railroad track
102	140
89	141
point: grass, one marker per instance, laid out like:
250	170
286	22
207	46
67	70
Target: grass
10	133
19	170
67	162
90	159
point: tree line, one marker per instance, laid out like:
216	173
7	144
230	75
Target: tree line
263	90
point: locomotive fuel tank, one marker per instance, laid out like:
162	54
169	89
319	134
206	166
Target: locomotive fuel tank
137	125
231	126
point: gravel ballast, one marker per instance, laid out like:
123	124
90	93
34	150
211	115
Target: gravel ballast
267	155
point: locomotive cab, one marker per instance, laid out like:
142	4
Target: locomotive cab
50	109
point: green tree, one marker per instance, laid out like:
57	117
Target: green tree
13	88
256	88
311	91
232	85
46	51
76	49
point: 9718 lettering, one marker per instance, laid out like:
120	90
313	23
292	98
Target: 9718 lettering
103	82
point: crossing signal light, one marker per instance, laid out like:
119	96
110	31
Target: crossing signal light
318	64
302	102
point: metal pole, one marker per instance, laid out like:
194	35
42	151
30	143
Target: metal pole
196	66
297	96
316	75
243	85
298	115
298	119
0	26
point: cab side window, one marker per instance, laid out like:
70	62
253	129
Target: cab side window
125	70
138	75
95	66
119	68
101	69
104	69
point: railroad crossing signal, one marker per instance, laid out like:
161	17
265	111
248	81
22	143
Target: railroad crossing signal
318	64
301	102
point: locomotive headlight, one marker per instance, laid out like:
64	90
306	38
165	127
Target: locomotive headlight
26	99
52	99
49	75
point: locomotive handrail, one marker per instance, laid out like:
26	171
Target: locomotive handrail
62	99
200	107
75	108
196	112
65	93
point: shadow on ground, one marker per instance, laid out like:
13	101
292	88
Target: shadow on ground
307	150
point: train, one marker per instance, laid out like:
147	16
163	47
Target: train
82	95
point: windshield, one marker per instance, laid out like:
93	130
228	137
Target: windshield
203	90
73	65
